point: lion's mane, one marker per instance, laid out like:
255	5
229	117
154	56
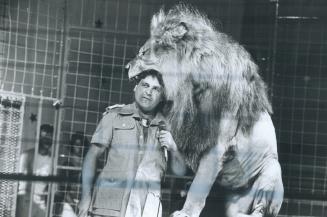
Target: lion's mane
216	78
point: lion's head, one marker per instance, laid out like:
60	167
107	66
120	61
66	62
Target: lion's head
207	76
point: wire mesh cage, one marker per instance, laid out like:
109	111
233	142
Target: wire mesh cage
74	51
31	46
11	119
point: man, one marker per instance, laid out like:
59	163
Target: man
40	164
135	162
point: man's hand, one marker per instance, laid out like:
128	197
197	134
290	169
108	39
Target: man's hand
166	140
177	162
83	206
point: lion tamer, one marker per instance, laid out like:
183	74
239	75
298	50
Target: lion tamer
220	115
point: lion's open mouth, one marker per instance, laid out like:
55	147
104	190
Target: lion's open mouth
134	75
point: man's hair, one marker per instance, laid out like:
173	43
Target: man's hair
47	128
80	136
152	73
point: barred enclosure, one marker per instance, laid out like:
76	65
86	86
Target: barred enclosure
11	121
70	54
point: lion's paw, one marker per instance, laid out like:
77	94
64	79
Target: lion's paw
258	210
179	214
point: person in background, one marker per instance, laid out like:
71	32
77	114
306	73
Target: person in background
79	145
37	163
129	183
68	195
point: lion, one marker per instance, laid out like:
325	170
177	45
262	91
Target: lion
219	112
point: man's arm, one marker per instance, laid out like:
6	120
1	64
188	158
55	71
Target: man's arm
177	163
26	168
88	174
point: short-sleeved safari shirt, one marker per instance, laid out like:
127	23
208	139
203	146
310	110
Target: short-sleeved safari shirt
121	131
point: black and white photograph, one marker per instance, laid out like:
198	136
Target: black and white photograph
163	108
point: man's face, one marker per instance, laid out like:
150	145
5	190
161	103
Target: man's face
148	94
45	143
77	147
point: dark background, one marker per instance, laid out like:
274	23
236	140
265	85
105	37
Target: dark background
75	51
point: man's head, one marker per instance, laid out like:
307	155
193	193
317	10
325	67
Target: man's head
79	144
149	91
45	141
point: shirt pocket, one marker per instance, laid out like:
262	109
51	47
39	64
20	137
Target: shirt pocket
110	191
124	133
124	123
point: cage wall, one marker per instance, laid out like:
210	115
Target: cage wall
300	105
31	45
73	52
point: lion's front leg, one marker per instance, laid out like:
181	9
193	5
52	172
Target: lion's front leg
263	198
207	172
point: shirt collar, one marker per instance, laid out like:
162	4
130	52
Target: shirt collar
157	119
132	110
129	109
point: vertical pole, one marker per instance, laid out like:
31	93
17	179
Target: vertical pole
38	126
19	145
58	112
274	47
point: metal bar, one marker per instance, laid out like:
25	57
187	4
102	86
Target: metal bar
7	36
296	17
38	126
274	49
22	112
35	46
58	114
109	32
34	178
40	96
26	42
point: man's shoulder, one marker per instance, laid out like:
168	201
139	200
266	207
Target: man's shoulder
123	109
113	108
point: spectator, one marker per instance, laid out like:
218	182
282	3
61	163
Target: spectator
37	163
